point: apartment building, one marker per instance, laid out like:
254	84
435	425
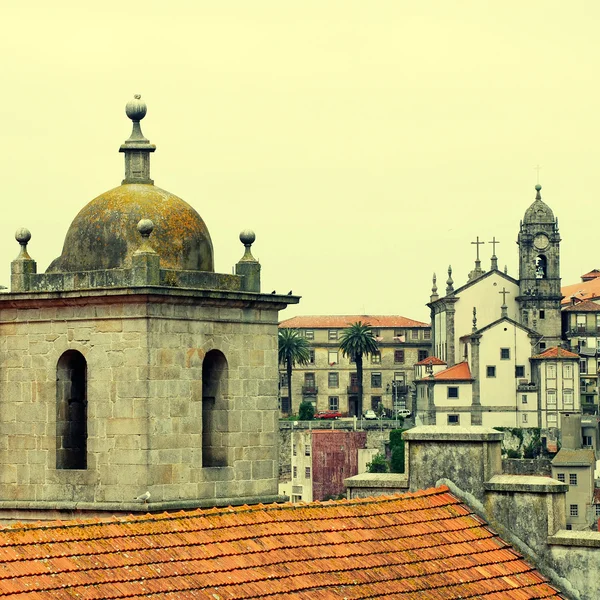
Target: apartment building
329	381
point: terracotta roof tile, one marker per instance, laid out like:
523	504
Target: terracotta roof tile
343	321
458	372
425	545
584	306
555	352
591	275
431	360
584	290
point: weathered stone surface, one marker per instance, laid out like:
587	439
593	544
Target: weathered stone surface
144	357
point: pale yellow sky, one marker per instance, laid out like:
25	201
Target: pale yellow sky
366	143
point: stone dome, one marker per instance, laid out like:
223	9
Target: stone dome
539	211
104	234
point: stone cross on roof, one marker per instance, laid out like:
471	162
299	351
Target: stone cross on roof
494	257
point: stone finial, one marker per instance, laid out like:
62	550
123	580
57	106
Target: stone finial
136	109
506	269
23	268
145	227
145	261
247	237
474	319
449	281
137	148
248	266
434	295
538	188
23	235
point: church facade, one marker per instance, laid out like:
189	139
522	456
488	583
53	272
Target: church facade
500	340
130	369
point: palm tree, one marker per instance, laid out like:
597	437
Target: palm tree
358	341
293	350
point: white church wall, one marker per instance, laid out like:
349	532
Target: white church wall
500	390
485	296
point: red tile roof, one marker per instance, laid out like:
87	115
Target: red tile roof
556	352
459	372
584	290
342	321
591	275
584	306
431	360
426	545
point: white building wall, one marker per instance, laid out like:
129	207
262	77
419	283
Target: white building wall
460	406
300	484
484	295
501	389
559	390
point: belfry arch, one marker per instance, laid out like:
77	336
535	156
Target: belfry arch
71	411
215	422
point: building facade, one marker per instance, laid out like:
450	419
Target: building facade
508	332
329	380
581	332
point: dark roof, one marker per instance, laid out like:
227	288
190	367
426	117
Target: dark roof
574	458
426	545
583	306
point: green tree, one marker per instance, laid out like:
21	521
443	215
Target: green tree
397	451
358	341
378	464
293	350
306	412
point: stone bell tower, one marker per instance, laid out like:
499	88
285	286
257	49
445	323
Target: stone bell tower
539	271
133	377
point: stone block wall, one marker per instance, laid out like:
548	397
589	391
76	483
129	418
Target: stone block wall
144	360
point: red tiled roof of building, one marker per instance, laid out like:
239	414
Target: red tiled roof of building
431	360
583	306
591	275
584	290
343	321
556	352
422	545
459	372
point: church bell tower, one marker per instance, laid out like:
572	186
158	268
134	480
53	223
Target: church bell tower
539	272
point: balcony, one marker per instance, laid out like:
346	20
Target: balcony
587	331
526	386
310	390
353	389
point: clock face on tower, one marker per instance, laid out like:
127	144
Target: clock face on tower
541	241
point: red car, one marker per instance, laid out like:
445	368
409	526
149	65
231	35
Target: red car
328	414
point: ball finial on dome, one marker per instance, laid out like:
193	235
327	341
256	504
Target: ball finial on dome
247	237
145	227
538	187
23	236
136	108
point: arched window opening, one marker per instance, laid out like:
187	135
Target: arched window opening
71	411
215	429
541	267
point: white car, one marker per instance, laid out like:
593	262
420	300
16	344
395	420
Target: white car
404	413
370	415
